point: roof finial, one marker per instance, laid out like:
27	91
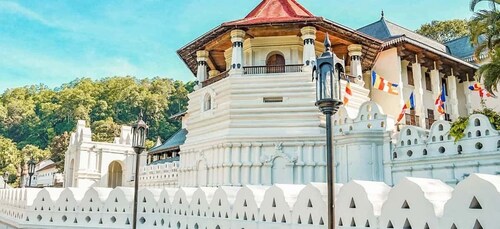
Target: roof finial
328	44
382	14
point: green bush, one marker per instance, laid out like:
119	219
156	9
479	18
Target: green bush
458	127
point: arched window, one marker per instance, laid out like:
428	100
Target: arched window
477	122
408	132
459	149
275	63
207	102
440	127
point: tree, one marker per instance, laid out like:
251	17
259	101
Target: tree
105	130
485	36
58	147
31	151
444	31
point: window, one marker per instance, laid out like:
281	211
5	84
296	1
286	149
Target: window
430	118
412	118
447	117
207	102
409	74
428	83
275	63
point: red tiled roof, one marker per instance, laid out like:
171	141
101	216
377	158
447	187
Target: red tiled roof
269	11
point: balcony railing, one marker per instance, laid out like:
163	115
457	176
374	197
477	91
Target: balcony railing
216	78
255	70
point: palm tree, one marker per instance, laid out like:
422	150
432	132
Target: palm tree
485	36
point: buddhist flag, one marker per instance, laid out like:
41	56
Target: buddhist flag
441	100
410	104
482	92
384	85
348	93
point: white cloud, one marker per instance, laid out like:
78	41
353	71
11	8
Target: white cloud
15	8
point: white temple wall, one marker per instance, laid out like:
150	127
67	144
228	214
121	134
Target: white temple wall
414	202
87	162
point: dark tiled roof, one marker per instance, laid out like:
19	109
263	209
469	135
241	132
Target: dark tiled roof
175	141
164	161
386	30
460	47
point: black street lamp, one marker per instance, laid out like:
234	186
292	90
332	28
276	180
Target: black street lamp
328	101
139	133
5	179
31	169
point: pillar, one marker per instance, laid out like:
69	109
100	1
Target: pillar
227	164
237	38
256	164
236	165
309	52
355	54
453	99
467	92
418	93
246	164
201	74
436	89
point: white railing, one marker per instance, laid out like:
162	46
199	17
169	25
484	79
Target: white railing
413	203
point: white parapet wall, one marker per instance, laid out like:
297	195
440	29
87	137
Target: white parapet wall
412	203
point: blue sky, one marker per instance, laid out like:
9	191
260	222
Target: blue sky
54	42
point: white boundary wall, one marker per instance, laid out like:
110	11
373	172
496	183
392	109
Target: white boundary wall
413	203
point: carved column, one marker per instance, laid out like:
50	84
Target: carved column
299	176
355	54
418	93
237	38
201	74
309	163
256	164
236	165
245	165
452	92
227	164
309	52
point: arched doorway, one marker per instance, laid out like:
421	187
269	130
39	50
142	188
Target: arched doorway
275	63
281	172
115	174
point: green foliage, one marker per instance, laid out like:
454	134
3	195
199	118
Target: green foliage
444	31
105	130
458	127
36	117
485	36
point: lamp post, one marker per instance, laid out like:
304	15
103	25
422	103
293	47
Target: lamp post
328	102
5	179
139	132
31	169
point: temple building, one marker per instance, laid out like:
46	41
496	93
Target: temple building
252	120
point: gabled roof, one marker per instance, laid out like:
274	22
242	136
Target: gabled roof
269	11
386	30
172	143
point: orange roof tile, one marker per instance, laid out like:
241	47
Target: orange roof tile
269	11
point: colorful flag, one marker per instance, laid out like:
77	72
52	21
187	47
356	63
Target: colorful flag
441	100
348	92
482	92
384	85
410	104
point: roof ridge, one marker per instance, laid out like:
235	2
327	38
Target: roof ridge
413	32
